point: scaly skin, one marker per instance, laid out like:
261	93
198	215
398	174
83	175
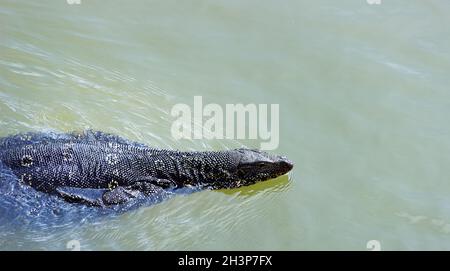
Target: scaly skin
102	169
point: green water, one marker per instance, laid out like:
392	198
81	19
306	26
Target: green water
364	107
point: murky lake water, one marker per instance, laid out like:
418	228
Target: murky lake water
364	108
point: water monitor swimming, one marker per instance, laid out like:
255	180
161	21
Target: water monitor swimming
101	169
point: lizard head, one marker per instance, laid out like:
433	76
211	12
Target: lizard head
254	166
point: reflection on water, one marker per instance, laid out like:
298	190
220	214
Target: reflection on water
277	185
363	95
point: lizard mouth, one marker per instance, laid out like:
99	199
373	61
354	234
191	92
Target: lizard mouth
257	172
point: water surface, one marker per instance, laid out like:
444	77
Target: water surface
364	106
